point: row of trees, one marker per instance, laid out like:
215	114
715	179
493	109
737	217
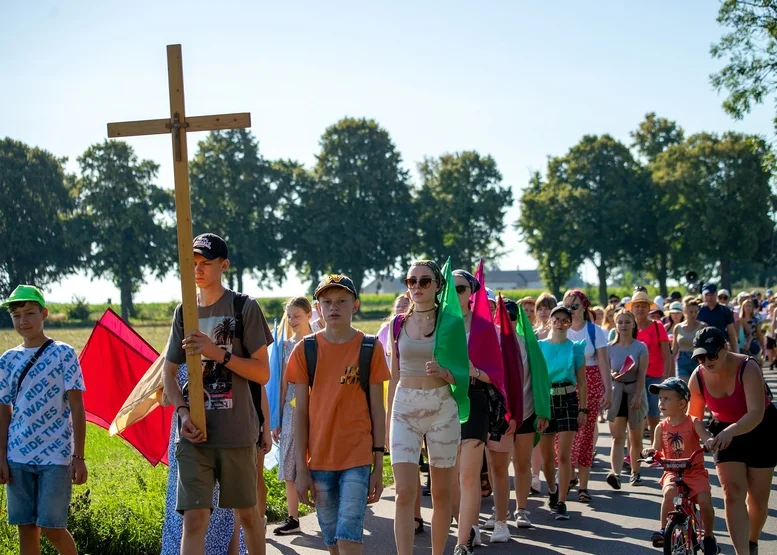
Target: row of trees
668	205
357	211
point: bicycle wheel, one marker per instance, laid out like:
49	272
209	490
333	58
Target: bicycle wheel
676	539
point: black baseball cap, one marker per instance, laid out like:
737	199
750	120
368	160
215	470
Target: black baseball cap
708	341
336	280
211	246
672	384
676	296
512	310
561	308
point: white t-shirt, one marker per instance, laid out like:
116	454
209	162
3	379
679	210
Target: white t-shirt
41	430
582	335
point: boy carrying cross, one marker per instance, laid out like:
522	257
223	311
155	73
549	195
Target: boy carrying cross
42	427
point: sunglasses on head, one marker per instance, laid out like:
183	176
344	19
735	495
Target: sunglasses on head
460	289
423	283
701	359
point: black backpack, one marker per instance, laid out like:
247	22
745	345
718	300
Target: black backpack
365	361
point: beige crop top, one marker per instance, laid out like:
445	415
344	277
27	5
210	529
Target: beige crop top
685	338
414	354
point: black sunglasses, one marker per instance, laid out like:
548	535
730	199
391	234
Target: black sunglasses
574	307
423	283
460	289
702	358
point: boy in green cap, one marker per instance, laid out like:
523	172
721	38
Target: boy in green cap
42	426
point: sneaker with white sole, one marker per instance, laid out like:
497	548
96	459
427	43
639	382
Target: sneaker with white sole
536	486
522	518
501	533
289	526
474	537
489	525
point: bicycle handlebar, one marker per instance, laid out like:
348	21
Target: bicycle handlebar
658	457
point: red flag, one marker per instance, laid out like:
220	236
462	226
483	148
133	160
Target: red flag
483	341
113	361
511	360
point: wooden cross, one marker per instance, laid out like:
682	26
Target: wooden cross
178	125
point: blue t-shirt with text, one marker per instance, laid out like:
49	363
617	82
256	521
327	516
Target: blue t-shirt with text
41	430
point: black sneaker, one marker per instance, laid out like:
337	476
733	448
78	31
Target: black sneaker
657	538
462	550
289	526
753	548
561	511
553	500
614	481
710	546
635	479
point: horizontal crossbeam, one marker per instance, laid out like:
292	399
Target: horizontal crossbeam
161	126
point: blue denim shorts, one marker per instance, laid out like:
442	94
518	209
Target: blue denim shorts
685	365
39	494
652	399
341	501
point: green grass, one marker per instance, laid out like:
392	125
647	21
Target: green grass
121	508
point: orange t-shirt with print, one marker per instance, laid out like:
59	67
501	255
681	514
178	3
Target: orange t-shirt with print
339	428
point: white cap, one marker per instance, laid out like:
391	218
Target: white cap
659	300
491	294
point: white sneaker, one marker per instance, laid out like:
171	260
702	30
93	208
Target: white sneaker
489	525
536	486
501	533
476	541
522	518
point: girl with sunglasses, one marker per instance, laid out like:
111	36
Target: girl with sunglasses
744	424
474	434
568	405
598	385
420	403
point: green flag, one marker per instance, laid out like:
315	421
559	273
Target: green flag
538	368
450	342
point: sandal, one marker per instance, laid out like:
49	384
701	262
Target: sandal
583	496
572	483
485	485
419	529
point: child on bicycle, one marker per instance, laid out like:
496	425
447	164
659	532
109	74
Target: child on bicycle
679	435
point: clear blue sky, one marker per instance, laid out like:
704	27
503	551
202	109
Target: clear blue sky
517	80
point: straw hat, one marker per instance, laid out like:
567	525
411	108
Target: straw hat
640	297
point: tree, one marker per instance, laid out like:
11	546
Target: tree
727	190
40	242
606	186
461	206
546	209
662	247
357	211
234	196
750	49
128	216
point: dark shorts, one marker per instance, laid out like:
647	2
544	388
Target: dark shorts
199	468
527	426
757	448
563	413
771	343
477	425
623	410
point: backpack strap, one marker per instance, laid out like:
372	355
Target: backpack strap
238	304
396	330
365	362
591	333
311	356
29	365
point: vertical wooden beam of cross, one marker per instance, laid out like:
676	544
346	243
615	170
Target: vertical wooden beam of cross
178	125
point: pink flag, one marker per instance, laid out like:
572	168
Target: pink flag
513	365
483	344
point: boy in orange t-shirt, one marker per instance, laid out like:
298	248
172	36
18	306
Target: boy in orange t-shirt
677	437
339	436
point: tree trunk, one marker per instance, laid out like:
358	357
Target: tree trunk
662	272
127	309
725	273
602	269
231	280
239	278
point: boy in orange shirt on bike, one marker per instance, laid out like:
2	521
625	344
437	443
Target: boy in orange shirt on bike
678	436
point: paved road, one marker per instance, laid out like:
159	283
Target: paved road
616	522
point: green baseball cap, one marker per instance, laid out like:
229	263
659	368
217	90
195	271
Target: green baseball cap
25	293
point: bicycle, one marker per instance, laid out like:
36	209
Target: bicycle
684	530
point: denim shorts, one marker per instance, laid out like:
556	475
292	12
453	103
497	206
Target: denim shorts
39	494
653	411
685	365
341	501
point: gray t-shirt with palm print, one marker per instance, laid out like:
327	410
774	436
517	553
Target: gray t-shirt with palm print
230	415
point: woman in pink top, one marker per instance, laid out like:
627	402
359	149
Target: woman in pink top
744	425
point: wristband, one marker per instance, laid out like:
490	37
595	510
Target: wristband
477	376
378	449
181	407
79	458
584	411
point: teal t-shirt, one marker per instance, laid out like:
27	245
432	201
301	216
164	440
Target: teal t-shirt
563	359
